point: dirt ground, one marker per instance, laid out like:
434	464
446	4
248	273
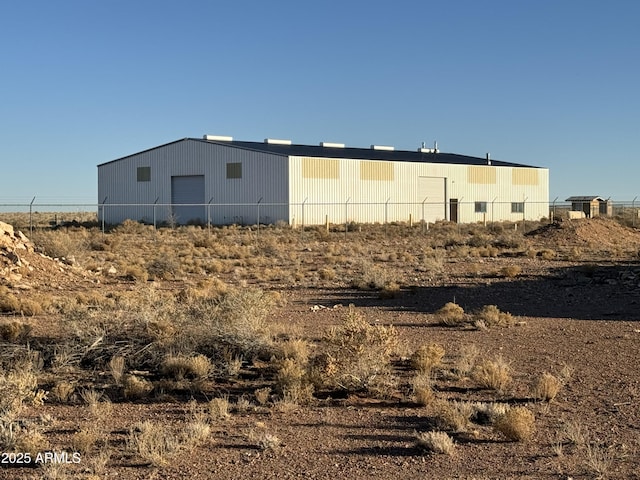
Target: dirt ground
579	310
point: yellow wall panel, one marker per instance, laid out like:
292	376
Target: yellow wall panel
524	176
485	175
376	170
320	168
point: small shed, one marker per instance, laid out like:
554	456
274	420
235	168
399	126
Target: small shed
592	205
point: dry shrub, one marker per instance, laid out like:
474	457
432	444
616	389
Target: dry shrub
374	278
31	440
546	387
428	357
453	415
491	316
153	442
327	273
195	433
86	439
357	354
423	389
219	408
510	271
493	374
437	442
233	322
389	290
451	315
296	349
263	439
517	424
486	413
547	254
465	362
575	433
263	395
135	273
15	331
62	391
136	387
599	459
179	367
293	383
116	368
17	388
8	302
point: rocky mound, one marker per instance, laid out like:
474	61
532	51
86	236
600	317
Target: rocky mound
595	233
22	267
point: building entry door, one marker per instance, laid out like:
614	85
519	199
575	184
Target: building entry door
453	210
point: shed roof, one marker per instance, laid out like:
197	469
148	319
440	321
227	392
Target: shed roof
346	152
585	198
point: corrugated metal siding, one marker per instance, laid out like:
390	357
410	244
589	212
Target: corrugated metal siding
320	168
525	176
376	170
421	187
485	175
263	176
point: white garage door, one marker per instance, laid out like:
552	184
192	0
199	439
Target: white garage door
187	199
433	189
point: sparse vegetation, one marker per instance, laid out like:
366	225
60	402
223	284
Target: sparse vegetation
206	335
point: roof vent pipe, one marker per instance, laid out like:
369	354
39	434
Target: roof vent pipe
488	158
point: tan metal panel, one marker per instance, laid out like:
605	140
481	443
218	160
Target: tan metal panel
371	170
320	168
484	175
524	176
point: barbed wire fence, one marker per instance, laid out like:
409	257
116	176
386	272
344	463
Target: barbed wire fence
336	214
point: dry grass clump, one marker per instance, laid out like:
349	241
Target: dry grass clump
453	415
262	395
62	391
219	408
510	271
423	389
86	439
116	368
357	355
153	442
451	315
293	383
180	367
296	349
491	316
493	374
15	331
437	442
465	362
428	357
263	439
136	387
517	424
546	387
486	413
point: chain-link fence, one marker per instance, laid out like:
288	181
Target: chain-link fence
39	215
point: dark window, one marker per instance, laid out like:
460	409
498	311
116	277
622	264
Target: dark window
517	207
481	207
144	174
234	170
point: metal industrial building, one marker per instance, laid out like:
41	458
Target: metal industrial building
219	180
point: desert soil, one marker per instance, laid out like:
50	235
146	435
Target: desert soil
578	312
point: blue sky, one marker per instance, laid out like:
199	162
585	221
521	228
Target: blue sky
548	83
